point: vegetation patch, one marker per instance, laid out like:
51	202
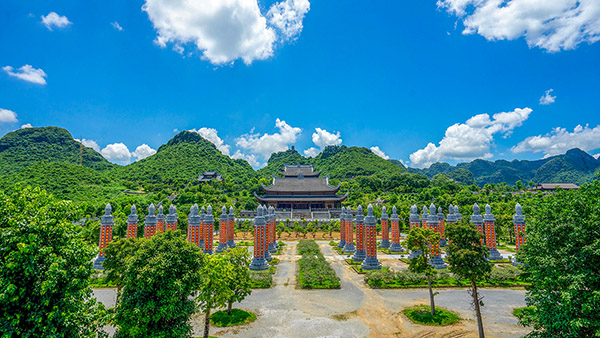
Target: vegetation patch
522	312
274	261
237	317
245	243
421	314
261	279
314	272
307	246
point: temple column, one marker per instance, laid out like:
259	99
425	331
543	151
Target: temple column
385	230
132	223
342	229
267	234
272	247
231	230
477	221
106	227
200	229
371	262
259	263
360	254
442	227
172	218
209	222
194	225
451	219
519	222
160	220
223	220
434	222
395	246
349	246
150	222
490	234
414	222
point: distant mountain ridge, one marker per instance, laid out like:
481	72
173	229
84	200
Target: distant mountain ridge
575	166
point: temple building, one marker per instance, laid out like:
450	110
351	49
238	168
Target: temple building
209	175
301	188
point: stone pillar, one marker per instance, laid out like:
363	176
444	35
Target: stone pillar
223	220
442	227
477	220
396	247
451	219
272	238
360	254
209	222
259	263
349	246
132	223
414	222
267	235
160	220
385	229
194	222
519	222
434	223
200	229
371	262
106	227
342	229
150	223
231	230
457	213
172	218
490	234
424	218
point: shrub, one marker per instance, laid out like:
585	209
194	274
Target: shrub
308	246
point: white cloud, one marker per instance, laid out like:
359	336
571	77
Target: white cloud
553	25
55	20
559	140
287	17
27	73
267	144
547	98
225	30
379	152
90	144
116	152
322	138
251	159
312	152
143	151
211	135
26	125
7	116
116	26
472	139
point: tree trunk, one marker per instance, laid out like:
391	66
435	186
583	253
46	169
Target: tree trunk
229	304
431	300
477	309
206	322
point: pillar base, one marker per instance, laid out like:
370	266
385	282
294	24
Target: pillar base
209	252
272	248
98	263
359	255
516	263
259	264
341	244
415	254
201	244
349	248
443	242
231	244
385	243
495	255
371	263
396	247
221	248
268	256
438	263
275	245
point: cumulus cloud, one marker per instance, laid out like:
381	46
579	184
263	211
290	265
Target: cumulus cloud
90	144
211	135
225	30
472	139
312	152
551	25
143	151
287	17
251	159
7	116
322	138
547	99
267	144
26	125
55	20
559	140
379	152
116	26
117	152
27	73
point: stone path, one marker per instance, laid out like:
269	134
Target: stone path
356	310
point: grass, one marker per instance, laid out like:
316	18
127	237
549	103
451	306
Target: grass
521	312
261	279
237	317
274	261
387	251
245	243
421	314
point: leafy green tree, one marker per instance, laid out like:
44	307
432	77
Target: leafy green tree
422	239
116	254
45	267
214	290
239	280
468	260
561	257
158	283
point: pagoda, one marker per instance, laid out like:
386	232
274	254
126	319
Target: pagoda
301	188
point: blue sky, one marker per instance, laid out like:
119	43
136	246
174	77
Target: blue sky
409	77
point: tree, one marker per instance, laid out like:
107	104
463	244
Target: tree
423	239
468	260
214	290
158	283
561	257
239	279
45	267
116	254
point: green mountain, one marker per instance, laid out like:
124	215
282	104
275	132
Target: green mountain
24	147
575	166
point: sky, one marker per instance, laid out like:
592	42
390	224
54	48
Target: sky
417	81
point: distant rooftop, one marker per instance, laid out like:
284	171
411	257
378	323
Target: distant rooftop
296	170
553	186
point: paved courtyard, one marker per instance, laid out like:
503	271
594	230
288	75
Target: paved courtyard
356	310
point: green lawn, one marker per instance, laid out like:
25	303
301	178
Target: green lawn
237	317
421	314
